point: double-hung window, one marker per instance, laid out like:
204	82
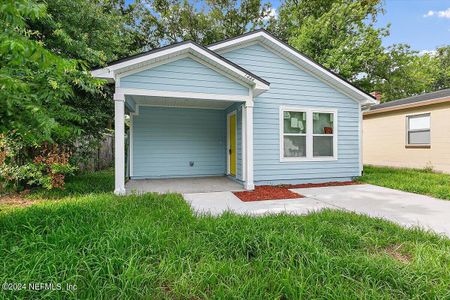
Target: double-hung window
323	134
294	133
307	134
418	129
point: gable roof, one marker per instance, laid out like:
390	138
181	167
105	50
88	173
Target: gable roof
209	54
294	55
419	100
129	64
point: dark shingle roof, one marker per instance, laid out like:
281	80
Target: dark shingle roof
413	99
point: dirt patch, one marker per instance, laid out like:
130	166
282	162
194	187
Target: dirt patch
325	184
17	199
267	192
397	252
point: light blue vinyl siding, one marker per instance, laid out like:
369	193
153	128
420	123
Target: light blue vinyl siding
291	86
183	75
165	140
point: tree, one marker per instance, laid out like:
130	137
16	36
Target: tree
442	58
342	36
35	87
403	72
93	33
396	69
338	34
35	82
205	22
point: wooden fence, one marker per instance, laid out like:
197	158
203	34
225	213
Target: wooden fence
102	157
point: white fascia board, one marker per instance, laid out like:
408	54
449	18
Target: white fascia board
183	95
238	41
103	73
302	60
116	69
176	50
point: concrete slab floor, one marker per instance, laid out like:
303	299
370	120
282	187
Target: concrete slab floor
406	209
183	185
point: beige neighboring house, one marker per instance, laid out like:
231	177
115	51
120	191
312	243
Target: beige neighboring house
413	132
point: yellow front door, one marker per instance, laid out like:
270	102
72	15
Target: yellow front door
232	143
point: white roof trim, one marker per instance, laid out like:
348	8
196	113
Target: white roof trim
114	71
268	40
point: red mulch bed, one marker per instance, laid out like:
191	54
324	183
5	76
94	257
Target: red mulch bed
278	192
267	192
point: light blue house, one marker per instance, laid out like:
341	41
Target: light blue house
251	108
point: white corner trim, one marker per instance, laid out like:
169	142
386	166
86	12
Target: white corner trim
243	143
265	38
360	131
309	133
249	183
118	96
119	146
131	144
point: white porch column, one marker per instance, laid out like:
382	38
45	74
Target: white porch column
119	142
248	145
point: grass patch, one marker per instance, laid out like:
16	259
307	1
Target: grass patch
83	184
153	247
409	180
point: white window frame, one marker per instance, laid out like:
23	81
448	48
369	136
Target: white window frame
309	133
407	144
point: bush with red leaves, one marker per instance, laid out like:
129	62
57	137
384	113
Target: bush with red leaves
46	166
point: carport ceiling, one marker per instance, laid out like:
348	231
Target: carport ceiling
179	102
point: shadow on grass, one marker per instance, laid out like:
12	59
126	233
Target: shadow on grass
83	184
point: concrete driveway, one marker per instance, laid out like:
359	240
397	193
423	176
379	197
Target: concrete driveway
406	209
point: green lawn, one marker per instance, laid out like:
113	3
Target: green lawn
409	180
153	247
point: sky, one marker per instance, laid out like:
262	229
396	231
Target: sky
423	24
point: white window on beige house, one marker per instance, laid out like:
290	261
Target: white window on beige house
418	130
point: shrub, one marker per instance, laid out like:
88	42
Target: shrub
24	166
